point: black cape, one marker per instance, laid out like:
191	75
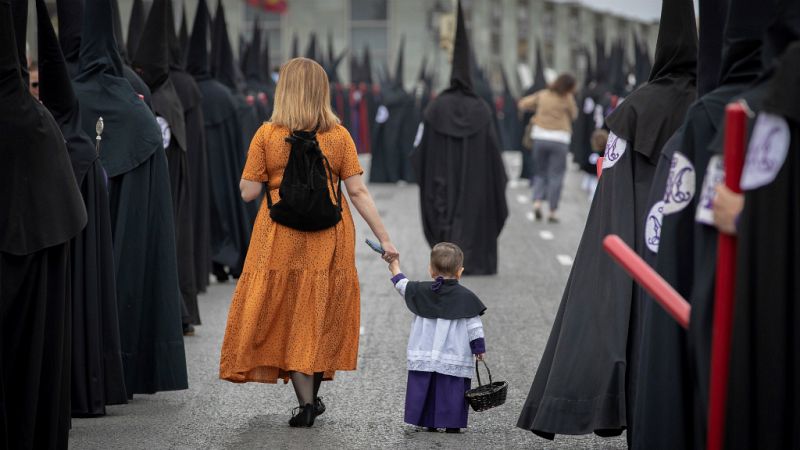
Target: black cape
230	222
451	301
148	292
152	62
197	157
586	380
459	168
393	133
97	374
762	403
42	210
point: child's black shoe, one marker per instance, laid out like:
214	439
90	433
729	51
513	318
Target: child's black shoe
453	430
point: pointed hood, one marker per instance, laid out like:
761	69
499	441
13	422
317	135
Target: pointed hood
176	61
331	52
742	41
99	51
19	9
539	81
41	203
70	23
197	62
266	68
223	66
332	62
118	32
56	93
311	50
709	57
676	47
600	60
399	67
295	46
151	60
461	76
135	28
367	65
650	115
253	70
183	35
131	133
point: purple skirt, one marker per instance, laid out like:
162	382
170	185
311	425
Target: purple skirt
436	400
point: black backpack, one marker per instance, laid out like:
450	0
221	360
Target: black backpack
305	201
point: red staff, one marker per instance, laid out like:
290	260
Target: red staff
735	134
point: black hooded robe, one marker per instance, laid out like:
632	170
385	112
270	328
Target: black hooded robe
586	380
764	381
42	210
230	223
97	375
148	292
459	168
152	62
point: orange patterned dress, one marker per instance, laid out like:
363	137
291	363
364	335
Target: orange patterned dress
297	304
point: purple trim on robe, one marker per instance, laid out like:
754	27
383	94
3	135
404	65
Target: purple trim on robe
478	346
436	400
398	277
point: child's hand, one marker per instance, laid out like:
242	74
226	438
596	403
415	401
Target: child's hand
479	356
394	266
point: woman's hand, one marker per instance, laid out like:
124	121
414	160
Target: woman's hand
250	189
390	253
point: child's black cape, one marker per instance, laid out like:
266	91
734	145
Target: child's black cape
452	301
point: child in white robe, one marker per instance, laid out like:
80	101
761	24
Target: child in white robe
446	338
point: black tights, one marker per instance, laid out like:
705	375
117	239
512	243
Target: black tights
306	387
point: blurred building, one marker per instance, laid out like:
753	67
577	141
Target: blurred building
504	33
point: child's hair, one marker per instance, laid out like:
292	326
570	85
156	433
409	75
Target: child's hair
599	139
446	259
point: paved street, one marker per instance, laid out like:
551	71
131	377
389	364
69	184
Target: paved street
365	407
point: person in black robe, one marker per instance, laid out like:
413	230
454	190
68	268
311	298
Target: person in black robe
586	380
688	249
259	84
230	223
97	374
148	290
136	26
42	211
665	410
151	61
70	23
508	116
459	168
393	136
762	397
197	158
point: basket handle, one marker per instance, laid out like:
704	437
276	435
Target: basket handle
478	373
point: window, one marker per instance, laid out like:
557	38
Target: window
523	32
368	27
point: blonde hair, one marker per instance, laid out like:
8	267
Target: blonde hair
303	98
446	259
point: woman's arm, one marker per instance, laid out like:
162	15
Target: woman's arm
529	103
250	189
362	200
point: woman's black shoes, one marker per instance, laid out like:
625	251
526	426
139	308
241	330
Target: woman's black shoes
319	407
452	430
303	416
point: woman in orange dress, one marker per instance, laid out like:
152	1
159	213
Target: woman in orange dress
296	309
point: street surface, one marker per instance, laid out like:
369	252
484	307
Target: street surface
365	407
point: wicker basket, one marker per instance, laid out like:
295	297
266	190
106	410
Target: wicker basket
486	396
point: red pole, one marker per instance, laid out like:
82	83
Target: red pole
666	296
735	134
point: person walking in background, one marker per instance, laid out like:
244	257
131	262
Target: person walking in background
296	310
555	109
